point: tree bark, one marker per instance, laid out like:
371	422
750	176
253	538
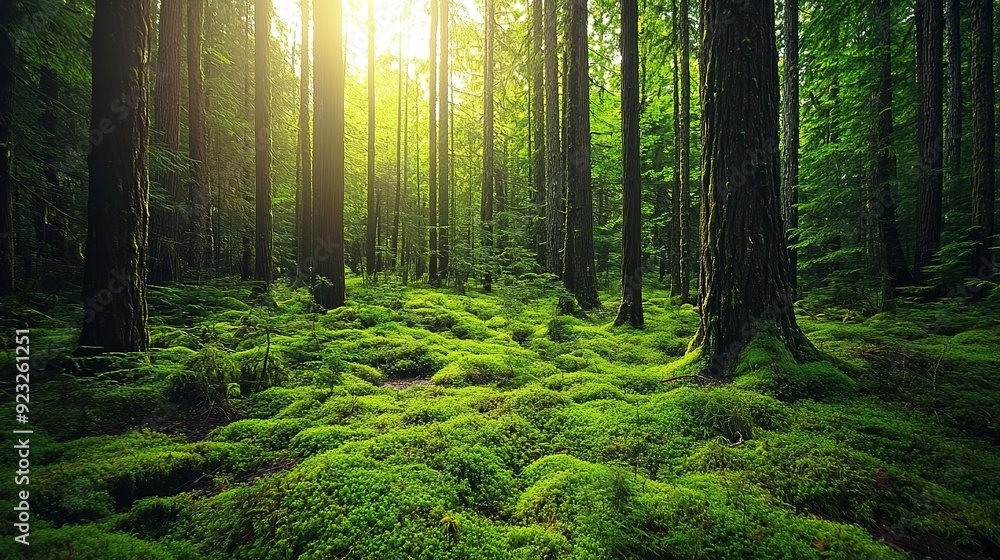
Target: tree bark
676	235
371	269
328	210
554	214
443	166
579	262
538	153
953	131
983	140
929	124
399	154
684	247
7	78
166	227
432	150
790	138
630	309
199	190
744	285
486	201
303	270
114	273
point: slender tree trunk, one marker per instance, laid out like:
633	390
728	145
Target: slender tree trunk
538	153
371	233
166	226
7	76
432	149
328	208
114	272
554	215
744	287
676	234
579	204
883	173
983	140
198	187
684	246
443	166
486	202
790	138
263	265
399	139
953	132
929	124
51	226
630	309
303	270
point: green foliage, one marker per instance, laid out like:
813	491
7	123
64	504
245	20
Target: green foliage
768	367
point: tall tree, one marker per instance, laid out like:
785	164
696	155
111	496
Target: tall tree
328	210
953	126
983	139
371	231
166	226
554	218
579	201
263	266
399	154
114	271
743	286
630	309
199	191
790	138
930	16
305	202
684	246
486	202
432	149
537	131
7	60
883	168
444	165
676	235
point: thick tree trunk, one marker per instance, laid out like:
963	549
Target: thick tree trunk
579	204
554	215
883	172
199	191
790	138
432	149
486	201
371	269
538	153
114	273
305	226
744	284
630	309
930	18
684	246
443	166
263	266
7	60
983	140
953	128
166	227
328	209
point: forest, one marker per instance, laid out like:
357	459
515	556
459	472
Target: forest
511	279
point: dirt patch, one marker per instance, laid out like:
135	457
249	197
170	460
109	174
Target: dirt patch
405	383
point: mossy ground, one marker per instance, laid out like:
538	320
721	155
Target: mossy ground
258	428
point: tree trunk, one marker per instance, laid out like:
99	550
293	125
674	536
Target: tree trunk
166	227
538	153
676	235
630	309
432	149
883	173
554	215
263	266
114	272
790	138
370	234
399	154
744	284
929	123
443	165
486	202
684	245
579	205
328	209
7	61
953	132
199	193
303	270
983	140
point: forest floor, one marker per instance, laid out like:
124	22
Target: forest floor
413	423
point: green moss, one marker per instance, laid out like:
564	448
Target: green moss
506	371
767	366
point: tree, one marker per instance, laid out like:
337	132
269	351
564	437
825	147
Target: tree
7	60
328	210
983	139
114	272
883	168
630	309
554	215
443	165
371	232
790	138
432	149
684	214
953	130
263	267
929	129
538	153
166	226
743	286
399	144
199	191
579	260
304	206
486	202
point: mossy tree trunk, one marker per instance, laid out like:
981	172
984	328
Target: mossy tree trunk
983	140
744	284
683	246
486	202
114	272
328	209
929	16
630	309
